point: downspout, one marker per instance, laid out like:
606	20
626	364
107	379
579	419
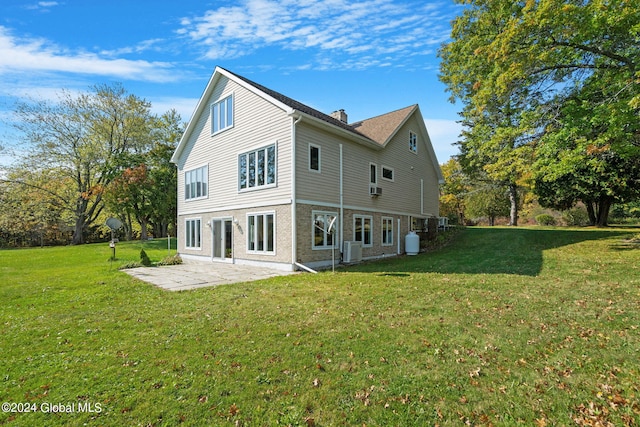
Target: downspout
341	235
294	233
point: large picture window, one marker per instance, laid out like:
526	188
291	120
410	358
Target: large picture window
261	233
324	237
257	168
196	182
222	115
193	233
363	230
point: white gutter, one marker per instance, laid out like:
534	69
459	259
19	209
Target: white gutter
294	233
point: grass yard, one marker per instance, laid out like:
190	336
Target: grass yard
532	326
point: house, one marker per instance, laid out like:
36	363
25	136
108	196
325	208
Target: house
266	180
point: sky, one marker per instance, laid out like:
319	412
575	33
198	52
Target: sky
368	57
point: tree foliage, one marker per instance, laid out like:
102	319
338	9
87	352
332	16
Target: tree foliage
540	72
84	144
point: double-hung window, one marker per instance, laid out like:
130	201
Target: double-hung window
222	114
363	230
196	182
261	233
387	231
324	229
193	233
257	168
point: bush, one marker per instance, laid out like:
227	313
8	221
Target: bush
545	219
144	258
171	260
576	217
130	264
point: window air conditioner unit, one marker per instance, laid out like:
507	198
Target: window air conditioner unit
352	252
375	191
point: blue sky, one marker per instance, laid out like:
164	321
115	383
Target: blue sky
368	57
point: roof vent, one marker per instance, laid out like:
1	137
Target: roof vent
340	115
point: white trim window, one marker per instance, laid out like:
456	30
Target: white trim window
257	168
322	237
314	158
363	230
387	231
373	174
222	115
413	142
261	231
388	173
193	233
196	183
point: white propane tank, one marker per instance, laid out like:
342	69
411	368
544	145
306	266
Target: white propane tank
412	243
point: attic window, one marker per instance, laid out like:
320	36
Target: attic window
222	115
413	142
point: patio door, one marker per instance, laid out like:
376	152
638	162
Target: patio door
222	239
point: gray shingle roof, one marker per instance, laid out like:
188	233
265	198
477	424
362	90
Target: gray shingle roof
377	129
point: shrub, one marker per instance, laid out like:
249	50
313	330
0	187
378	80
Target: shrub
171	260
576	217
545	219
130	264
144	258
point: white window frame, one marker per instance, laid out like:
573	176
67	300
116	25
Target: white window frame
197	237
256	153
393	173
387	225
198	175
319	148
253	234
229	106
361	238
413	142
373	174
326	214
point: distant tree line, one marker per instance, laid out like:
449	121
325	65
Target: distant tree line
85	158
551	100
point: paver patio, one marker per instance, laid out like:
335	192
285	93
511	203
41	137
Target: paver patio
199	275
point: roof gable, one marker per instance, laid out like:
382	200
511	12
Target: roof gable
382	128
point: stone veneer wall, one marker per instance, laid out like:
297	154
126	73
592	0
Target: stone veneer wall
306	254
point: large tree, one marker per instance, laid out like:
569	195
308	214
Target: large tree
525	61
81	138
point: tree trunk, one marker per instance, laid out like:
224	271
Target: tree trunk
604	205
513	198
591	212
143	228
78	231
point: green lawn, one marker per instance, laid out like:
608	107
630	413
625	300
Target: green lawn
531	326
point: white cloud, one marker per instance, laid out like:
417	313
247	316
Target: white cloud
338	28
38	55
184	106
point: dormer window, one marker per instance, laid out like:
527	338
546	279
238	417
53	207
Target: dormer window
413	142
222	115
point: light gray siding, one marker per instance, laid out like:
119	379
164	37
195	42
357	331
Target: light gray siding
402	195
